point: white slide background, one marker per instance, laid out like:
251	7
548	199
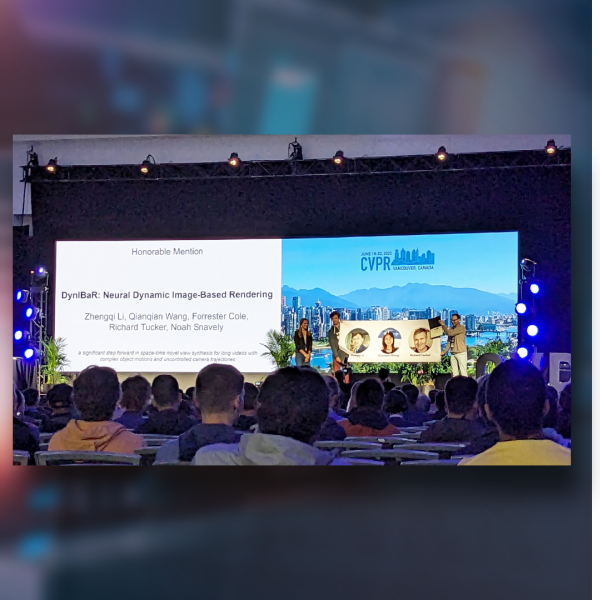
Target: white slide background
224	266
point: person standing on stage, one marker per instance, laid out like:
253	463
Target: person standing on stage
457	344
334	341
303	342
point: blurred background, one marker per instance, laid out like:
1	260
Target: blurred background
298	67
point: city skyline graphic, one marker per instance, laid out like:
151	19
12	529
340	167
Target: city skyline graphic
408	257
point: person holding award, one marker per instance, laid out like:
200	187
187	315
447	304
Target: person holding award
338	355
303	343
457	345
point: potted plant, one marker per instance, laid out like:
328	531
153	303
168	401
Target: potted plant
280	348
54	362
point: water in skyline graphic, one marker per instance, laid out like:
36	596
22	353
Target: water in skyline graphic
408	257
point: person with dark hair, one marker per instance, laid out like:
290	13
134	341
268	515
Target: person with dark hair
388	343
383	374
563	421
424	404
338	356
357	342
33	411
331	430
551	417
303	343
293	406
367	418
413	416
345	389
248	417
395	404
25	436
420	339
95	393
457	345
190	393
168	419
460	425
219	397
439	398
387	386
516	402
135	397
59	399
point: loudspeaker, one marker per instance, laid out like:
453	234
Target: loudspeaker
559	370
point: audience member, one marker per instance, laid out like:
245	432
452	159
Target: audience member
384	375
60	402
395	404
134	399
248	417
388	385
331	429
460	425
95	393
345	389
167	420
33	411
219	398
439	399
424	404
490	435
563	424
25	436
367	418
516	402
190	393
551	417
413	416
293	407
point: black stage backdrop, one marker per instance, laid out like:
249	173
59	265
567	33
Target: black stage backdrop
536	201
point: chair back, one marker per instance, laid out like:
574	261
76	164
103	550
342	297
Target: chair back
449	462
364	462
347	444
20	457
58	457
152	439
148	455
383	441
45	437
395	456
444	450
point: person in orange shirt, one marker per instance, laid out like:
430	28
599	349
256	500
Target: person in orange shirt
367	418
95	394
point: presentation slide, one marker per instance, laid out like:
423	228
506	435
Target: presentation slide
175	305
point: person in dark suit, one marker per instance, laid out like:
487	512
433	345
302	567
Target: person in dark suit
356	343
303	343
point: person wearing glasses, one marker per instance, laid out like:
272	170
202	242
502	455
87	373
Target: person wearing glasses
457	345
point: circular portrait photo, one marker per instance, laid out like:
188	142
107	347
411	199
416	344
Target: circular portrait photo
357	341
420	340
390	341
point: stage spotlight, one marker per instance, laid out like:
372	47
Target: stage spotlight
22	296
52	164
441	155
534	288
521	308
550	147
40	272
31	313
338	158
532	330
234	160
522	352
30	353
294	150
147	165
19	335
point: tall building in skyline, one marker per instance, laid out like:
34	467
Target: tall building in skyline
296	302
471	322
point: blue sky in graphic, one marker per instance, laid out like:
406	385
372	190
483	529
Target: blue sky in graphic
484	261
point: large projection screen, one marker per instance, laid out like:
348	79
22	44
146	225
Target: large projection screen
177	305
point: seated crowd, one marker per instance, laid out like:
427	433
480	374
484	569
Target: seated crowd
510	417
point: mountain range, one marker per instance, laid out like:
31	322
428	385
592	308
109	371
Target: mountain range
411	295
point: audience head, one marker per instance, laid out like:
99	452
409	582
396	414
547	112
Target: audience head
387	386
60	397
412	393
250	397
565	399
136	393
433	394
95	393
293	403
352	400
383	373
369	394
395	402
551	417
334	391
423	403
482	385
190	393
165	392
461	395
440	400
219	391
339	377
516	398
31	396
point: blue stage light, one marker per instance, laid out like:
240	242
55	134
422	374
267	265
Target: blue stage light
522	352
534	288
29	353
18	335
521	307
30	313
532	330
21	295
40	272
